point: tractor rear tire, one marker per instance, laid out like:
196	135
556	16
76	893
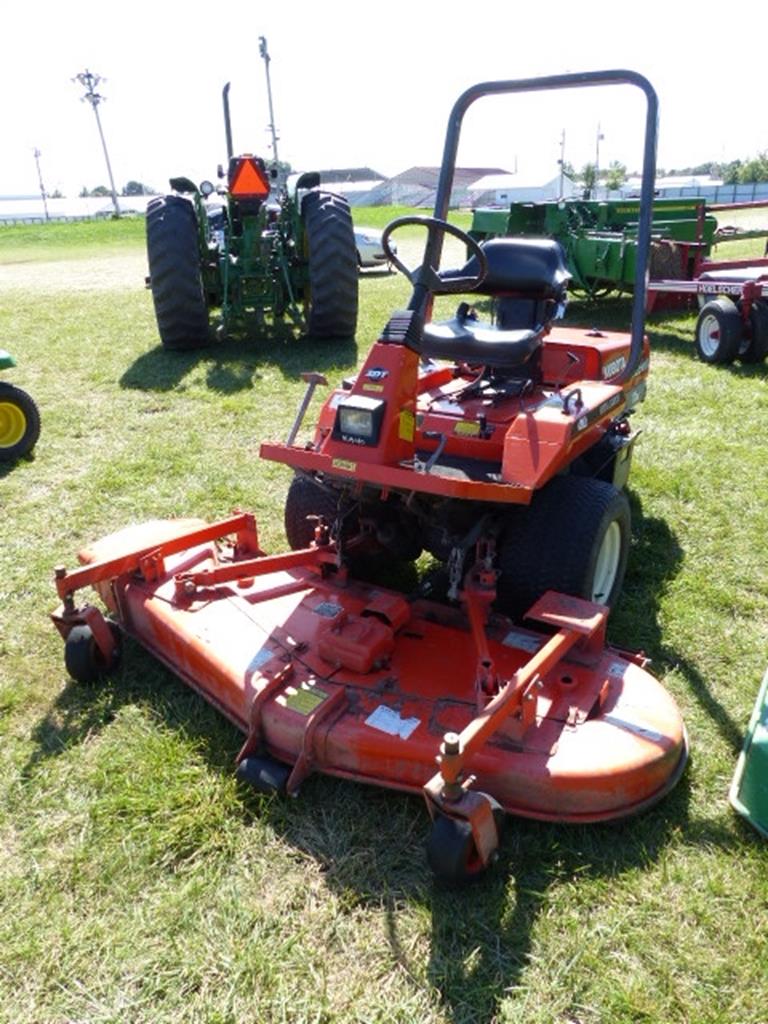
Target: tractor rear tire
174	274
755	348
573	538
19	423
718	332
331	304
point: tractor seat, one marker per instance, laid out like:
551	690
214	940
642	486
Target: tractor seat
527	278
465	339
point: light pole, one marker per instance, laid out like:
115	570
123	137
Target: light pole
263	52
38	154
89	81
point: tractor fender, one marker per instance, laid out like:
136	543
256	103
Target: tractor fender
306	180
184	185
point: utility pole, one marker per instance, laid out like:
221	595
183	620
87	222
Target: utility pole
43	194
263	52
89	82
598	140
561	161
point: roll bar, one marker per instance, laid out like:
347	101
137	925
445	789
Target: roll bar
571	81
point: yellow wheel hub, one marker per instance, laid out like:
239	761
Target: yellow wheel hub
13	424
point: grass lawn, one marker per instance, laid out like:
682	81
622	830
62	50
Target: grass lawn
138	883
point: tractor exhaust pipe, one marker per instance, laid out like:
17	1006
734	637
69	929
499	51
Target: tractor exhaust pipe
227	122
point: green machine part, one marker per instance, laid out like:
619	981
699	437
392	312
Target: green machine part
749	789
599	236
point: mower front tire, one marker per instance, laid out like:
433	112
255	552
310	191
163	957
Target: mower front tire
573	538
332	299
306	498
718	331
174	274
19	423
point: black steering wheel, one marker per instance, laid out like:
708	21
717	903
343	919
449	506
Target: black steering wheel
428	276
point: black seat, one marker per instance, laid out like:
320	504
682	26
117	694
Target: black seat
528	279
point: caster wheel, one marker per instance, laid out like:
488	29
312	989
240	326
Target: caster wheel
83	660
263	774
451	851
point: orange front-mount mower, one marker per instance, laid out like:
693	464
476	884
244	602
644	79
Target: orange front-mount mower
502	448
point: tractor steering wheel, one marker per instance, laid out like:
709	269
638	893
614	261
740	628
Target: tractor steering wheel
428	276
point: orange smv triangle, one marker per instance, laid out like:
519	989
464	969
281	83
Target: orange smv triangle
249	179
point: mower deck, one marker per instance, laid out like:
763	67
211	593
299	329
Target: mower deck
328	674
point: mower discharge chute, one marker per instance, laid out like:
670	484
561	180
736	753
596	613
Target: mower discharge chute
500	446
258	251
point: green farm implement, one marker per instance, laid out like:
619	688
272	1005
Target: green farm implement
600	237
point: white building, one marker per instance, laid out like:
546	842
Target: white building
503	189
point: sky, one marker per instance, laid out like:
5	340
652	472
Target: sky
359	84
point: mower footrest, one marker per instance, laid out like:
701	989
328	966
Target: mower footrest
572	613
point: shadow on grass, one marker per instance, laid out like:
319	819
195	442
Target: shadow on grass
233	365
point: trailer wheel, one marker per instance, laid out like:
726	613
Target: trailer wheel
574	538
174	274
264	774
19	423
331	301
718	331
82	657
755	348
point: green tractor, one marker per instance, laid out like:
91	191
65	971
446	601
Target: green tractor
257	252
19	418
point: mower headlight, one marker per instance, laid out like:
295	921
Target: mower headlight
359	419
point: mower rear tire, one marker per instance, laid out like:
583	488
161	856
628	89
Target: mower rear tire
718	331
174	274
83	658
19	423
264	774
755	348
331	303
573	538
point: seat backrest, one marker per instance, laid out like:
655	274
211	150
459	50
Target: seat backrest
531	268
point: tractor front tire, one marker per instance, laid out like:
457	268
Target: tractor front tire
174	274
718	332
19	423
331	302
573	538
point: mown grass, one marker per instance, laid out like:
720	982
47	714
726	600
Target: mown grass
139	884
